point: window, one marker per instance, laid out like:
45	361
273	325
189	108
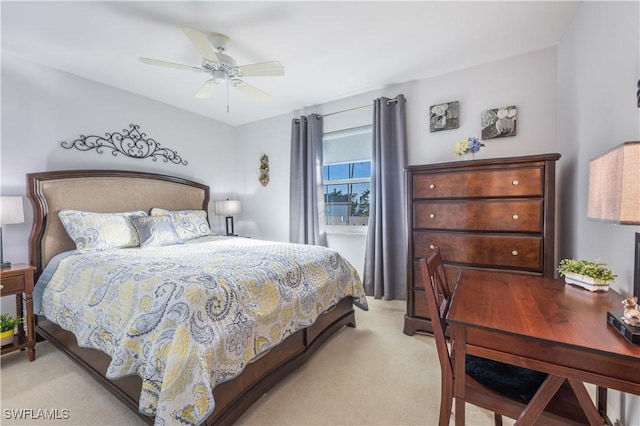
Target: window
346	175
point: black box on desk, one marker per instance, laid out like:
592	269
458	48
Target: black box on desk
629	332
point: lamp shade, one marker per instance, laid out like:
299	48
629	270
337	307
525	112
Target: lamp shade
614	185
227	207
11	210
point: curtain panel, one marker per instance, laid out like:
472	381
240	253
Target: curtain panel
306	200
385	268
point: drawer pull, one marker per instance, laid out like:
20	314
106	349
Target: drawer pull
514	252
515	217
432	247
432	186
515	182
432	215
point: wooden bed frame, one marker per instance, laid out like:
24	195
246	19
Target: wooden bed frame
113	191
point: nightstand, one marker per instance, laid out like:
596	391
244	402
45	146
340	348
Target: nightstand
18	280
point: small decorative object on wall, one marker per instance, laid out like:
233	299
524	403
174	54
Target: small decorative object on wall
444	116
498	122
264	170
470	145
130	143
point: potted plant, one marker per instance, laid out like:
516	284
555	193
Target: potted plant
7	328
592	275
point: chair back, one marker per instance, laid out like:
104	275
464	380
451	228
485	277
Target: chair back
438	292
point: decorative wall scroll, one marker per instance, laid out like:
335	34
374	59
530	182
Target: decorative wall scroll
130	143
444	116
498	122
264	170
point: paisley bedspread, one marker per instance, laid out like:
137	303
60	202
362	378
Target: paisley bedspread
188	317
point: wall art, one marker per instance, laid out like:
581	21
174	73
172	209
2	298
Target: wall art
130	143
498	122
444	116
264	170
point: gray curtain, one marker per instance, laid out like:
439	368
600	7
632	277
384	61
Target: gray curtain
306	203
385	265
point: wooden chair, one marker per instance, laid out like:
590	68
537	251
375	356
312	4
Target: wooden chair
502	388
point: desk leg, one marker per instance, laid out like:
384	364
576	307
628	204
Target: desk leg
458	343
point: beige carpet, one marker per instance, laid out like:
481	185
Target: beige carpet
370	375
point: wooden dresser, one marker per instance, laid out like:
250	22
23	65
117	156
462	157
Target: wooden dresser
495	214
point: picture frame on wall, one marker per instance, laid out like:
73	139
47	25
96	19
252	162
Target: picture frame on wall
498	122
444	116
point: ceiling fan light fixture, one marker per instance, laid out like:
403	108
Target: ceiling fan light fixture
219	76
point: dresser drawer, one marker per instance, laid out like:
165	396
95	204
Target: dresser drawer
490	215
12	284
517	182
498	251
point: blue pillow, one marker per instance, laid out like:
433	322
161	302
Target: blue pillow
154	231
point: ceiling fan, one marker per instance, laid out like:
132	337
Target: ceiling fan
222	67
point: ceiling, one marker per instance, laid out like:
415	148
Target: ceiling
330	50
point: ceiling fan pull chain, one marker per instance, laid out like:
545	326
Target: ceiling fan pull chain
227	95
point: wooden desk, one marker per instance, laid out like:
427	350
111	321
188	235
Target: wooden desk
545	325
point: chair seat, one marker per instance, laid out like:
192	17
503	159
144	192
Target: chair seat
510	380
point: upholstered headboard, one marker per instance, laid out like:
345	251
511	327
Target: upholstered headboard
99	191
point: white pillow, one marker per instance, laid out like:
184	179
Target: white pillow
189	224
100	231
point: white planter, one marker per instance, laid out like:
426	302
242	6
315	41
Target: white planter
6	338
591	284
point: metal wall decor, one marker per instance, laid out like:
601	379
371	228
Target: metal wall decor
130	143
264	170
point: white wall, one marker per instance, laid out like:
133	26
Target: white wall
42	107
527	81
598	70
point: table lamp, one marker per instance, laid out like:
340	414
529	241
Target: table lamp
614	192
11	212
227	208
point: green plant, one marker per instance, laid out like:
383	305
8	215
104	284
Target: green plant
596	269
7	322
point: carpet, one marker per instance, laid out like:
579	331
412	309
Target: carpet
371	375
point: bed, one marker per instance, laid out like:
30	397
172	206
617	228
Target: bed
202	328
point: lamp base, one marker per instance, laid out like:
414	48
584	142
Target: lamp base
5	265
230	232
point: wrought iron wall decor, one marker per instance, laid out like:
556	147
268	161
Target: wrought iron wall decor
131	143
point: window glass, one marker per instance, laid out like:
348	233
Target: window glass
346	176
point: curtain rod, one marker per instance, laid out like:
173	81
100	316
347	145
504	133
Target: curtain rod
390	101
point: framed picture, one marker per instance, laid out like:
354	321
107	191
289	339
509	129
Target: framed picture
498	122
444	116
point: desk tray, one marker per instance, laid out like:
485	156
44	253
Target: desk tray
629	332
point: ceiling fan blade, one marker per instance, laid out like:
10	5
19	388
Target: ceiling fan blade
201	43
206	90
170	64
255	93
264	69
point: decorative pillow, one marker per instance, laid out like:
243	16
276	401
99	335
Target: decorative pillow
189	224
100	231
155	231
